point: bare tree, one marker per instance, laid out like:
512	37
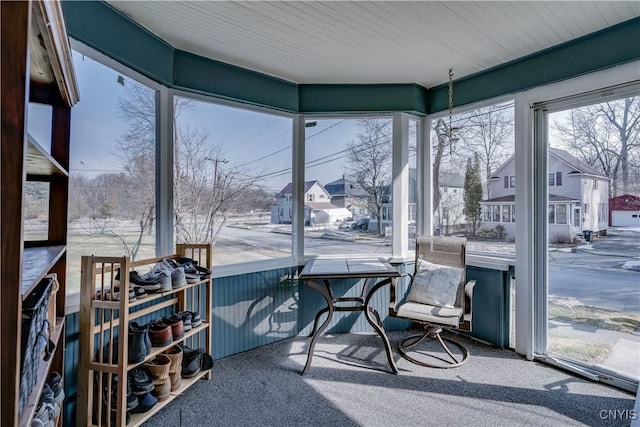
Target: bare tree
369	160
206	188
605	136
489	132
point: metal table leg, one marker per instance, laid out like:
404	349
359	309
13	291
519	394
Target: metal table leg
367	312
326	293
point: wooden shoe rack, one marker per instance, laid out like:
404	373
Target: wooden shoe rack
100	325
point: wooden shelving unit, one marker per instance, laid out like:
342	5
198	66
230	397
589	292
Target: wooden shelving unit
102	320
36	67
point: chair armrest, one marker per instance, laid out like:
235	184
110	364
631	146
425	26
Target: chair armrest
468	305
392	294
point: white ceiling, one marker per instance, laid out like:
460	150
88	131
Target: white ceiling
372	42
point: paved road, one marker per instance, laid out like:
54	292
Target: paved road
611	289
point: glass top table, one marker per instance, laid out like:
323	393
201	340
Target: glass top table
318	274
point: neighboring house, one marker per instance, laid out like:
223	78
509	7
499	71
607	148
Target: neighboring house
317	206
349	195
387	206
449	216
624	211
578	197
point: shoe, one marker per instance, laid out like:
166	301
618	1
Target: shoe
185	316
114	296
191	361
195	319
139	341
160	334
162	275
178	277
55	383
135	325
159	370
145	403
140	380
45	415
177	326
139	292
175	355
191	273
207	362
148	285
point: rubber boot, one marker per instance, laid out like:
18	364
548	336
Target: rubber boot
175	355
159	370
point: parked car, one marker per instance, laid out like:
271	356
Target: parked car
361	224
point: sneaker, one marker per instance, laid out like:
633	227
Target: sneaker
162	275
178	277
195	319
55	383
140	380
147	284
185	316
45	415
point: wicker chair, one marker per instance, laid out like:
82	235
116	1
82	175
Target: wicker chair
440	262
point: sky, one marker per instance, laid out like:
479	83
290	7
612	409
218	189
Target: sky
248	140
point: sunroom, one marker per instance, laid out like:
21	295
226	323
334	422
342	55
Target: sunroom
193	116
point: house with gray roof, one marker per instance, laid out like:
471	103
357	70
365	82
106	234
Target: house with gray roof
350	195
578	198
318	208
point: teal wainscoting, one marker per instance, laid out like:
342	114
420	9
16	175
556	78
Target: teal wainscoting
255	309
491	303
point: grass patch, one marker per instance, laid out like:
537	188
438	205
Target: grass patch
596	317
585	351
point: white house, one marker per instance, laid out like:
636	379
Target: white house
578	198
449	216
318	208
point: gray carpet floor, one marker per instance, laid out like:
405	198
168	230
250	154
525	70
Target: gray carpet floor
349	384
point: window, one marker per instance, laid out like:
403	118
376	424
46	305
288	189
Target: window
351	156
595	184
558	178
552	214
506	213
496	213
561	214
112	173
512	181
513	213
552	179
506	181
232	180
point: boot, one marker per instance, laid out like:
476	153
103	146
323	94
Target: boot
159	370
175	355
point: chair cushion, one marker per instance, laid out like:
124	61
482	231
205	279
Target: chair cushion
435	284
430	314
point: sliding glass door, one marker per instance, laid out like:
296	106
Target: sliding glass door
588	191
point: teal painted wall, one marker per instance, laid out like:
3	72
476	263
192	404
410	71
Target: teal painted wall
491	302
102	27
319	98
197	74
